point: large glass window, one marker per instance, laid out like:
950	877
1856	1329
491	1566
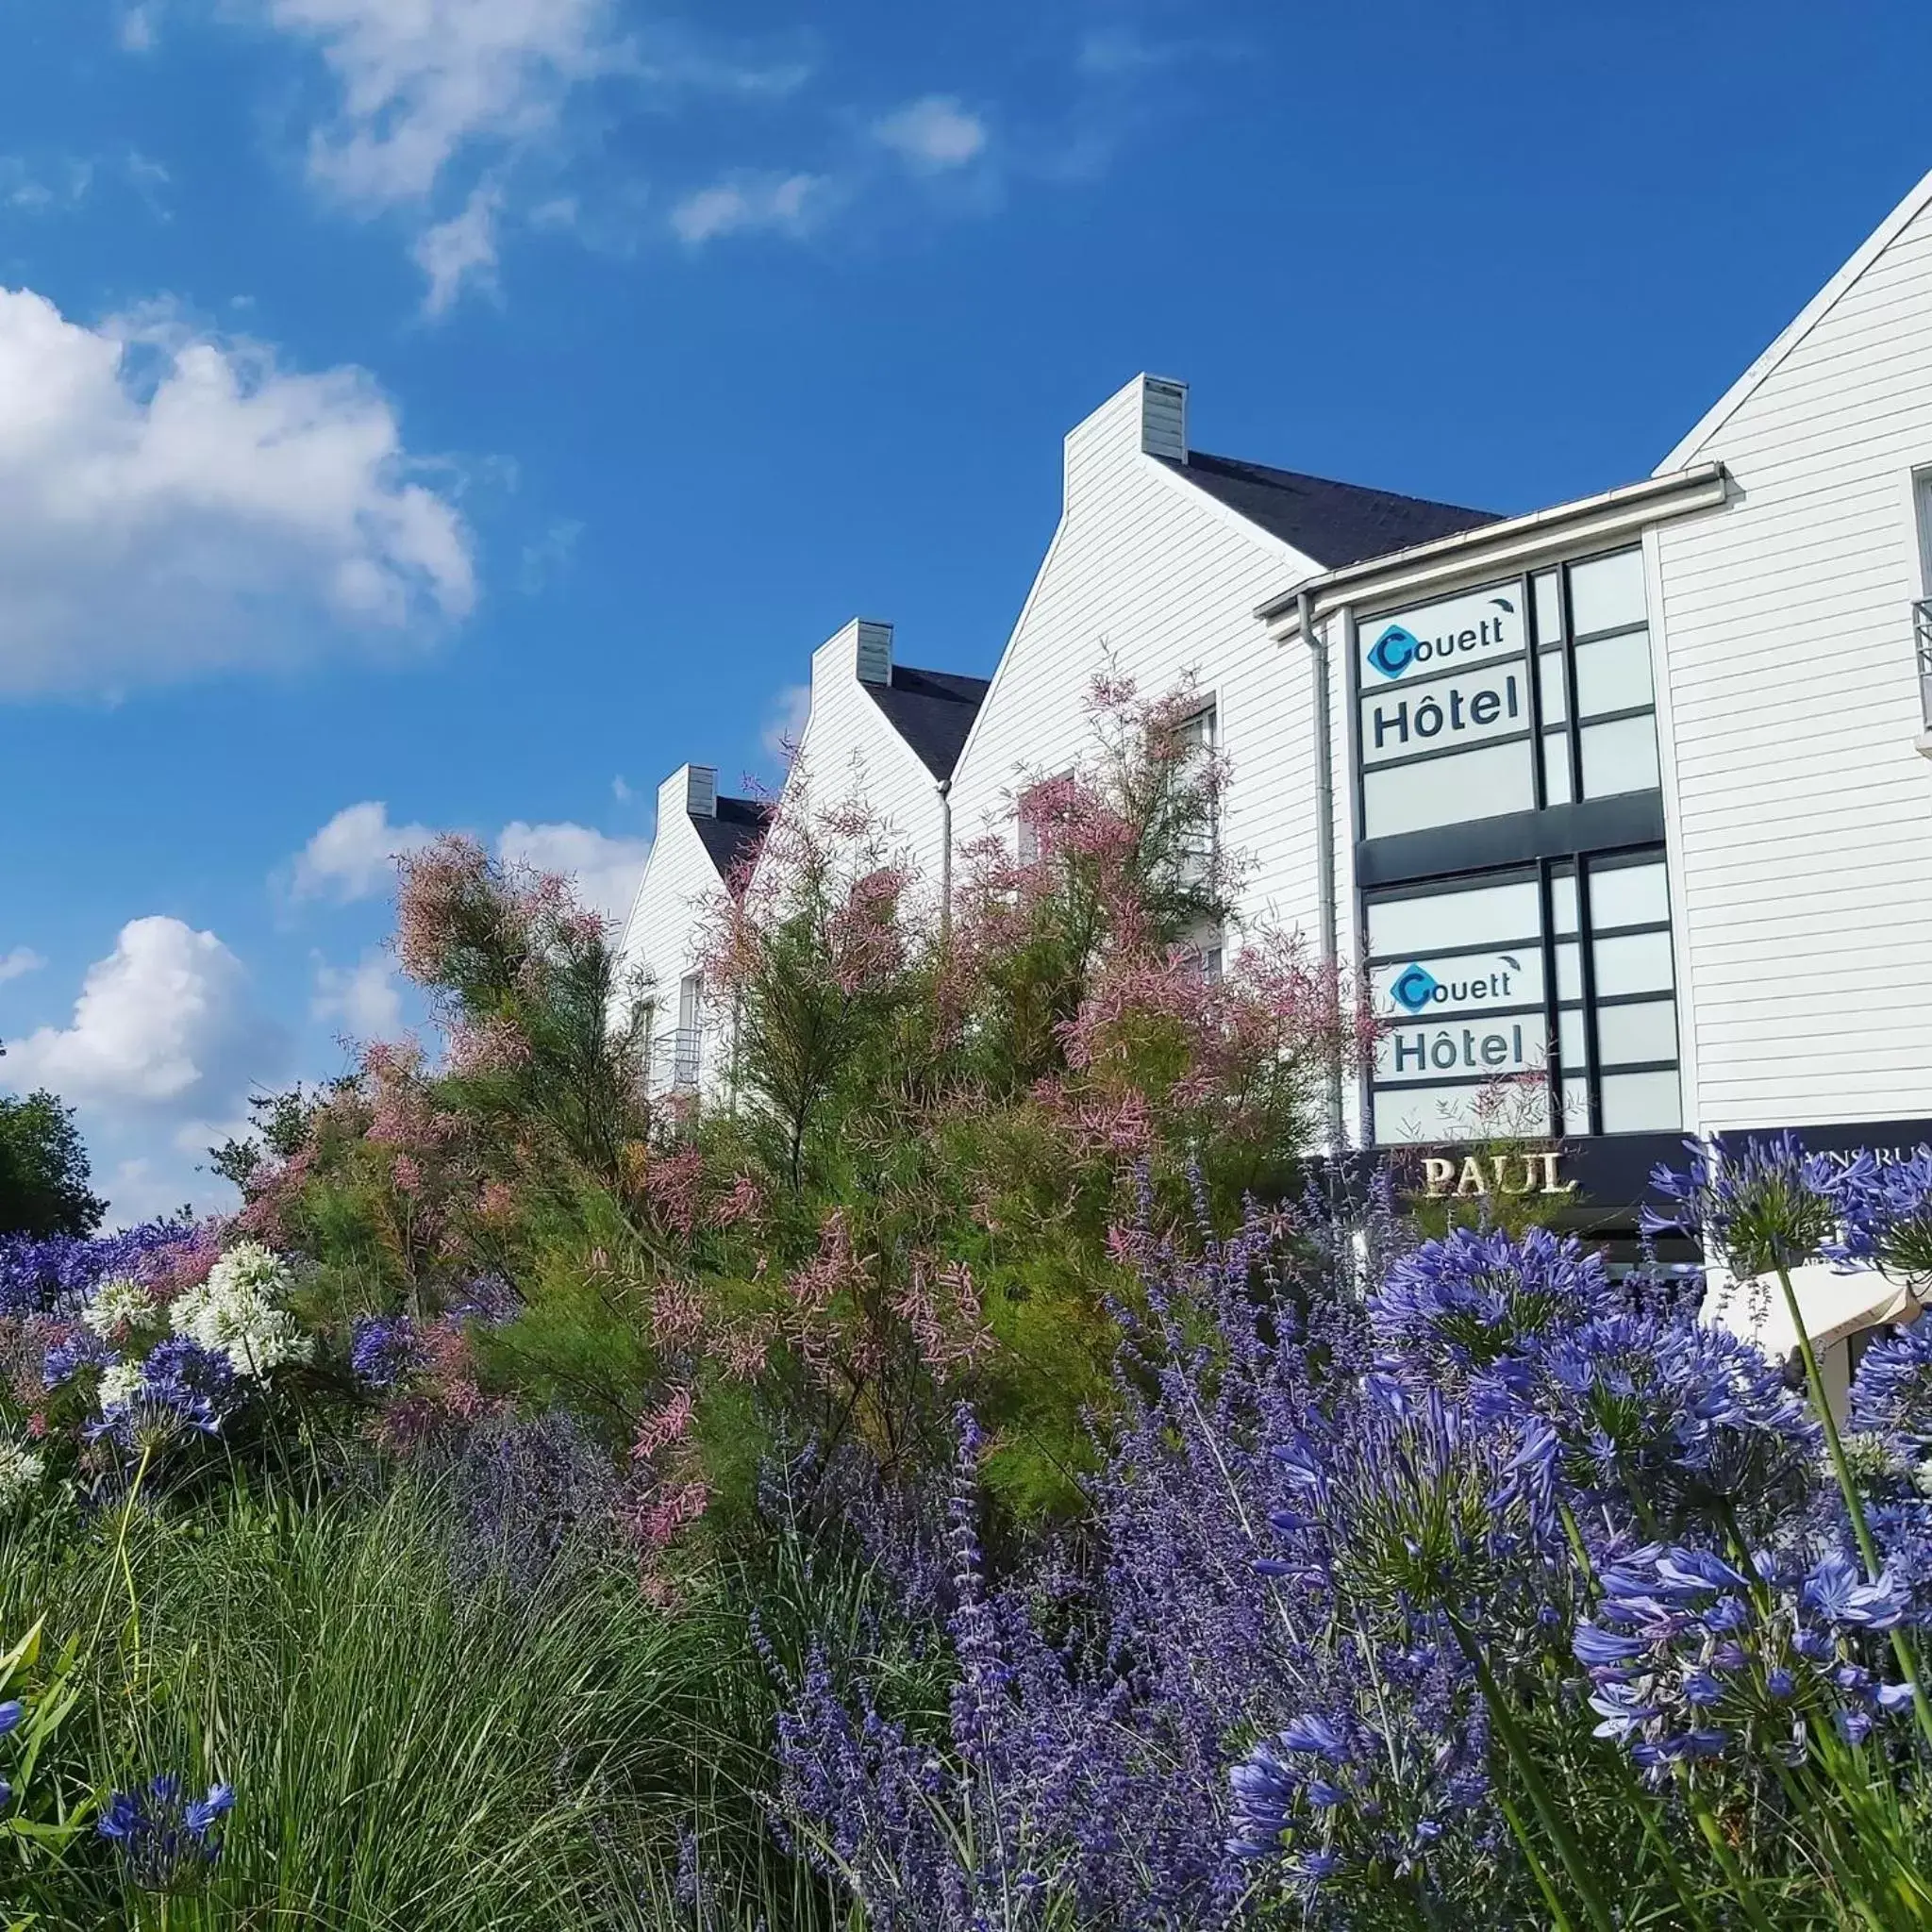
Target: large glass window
1533	1001
1507	699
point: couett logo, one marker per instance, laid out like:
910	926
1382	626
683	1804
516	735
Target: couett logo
1414	988
1393	651
1398	647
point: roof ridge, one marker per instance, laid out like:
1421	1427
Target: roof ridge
1335	482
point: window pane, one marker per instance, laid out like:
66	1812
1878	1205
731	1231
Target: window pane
1448	791
1629	895
1471	1048
1549	613
1576	1106
1620	757
1569	973
1569	1038
1432	984
1444	714
1606	592
1563	902
1411	1115
1557	768
1613	675
1640	1102
1435	921
1628	1035
1549	671
1636	962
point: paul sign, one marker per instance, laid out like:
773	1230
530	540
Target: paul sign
1477	1177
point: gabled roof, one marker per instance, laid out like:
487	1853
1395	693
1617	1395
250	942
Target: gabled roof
732	838
932	710
1331	522
1807	318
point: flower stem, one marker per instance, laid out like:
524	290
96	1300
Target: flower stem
1854	1506
1540	1798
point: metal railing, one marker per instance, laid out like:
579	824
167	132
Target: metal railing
684	1060
1922	632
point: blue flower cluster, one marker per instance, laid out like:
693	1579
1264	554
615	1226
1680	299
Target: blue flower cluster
185	1391
54	1274
166	1841
384	1350
1690	1656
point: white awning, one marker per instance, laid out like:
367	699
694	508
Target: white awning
1833	1305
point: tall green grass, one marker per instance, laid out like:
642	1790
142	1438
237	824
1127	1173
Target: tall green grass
414	1749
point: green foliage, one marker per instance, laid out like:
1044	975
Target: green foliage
412	1746
44	1174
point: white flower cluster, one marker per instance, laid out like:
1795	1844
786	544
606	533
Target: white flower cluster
236	1312
21	1469
120	1385
118	1304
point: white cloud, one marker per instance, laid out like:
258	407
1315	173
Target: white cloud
460	253
18	963
620	791
171	505
163	1022
782	202
420	80
606	870
353	856
364	997
139	28
933	134
164	1047
785	726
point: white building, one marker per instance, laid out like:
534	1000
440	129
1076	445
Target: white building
890	735
1623	800
886	733
703	845
1631	791
1161	560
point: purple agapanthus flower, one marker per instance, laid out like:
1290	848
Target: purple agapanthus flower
166	1845
1885	1208
1758	1205
185	1389
384	1350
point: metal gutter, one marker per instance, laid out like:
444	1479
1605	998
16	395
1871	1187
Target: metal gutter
1511	544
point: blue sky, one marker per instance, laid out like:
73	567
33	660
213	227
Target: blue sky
425	413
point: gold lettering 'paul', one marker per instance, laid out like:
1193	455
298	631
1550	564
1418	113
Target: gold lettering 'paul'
1476	1176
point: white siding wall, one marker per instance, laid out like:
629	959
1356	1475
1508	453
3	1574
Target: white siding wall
1146	568
662	934
1803	814
849	750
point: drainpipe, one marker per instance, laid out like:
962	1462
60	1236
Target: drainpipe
1324	838
945	789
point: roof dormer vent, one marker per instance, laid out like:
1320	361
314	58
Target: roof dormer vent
873	661
701	791
1164	418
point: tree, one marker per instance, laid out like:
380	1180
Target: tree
44	1170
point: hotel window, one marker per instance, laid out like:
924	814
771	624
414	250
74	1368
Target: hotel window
1536	1000
1197	737
1598	710
1507	699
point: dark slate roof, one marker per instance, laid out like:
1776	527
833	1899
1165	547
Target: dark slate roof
1332	523
932	710
733	836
